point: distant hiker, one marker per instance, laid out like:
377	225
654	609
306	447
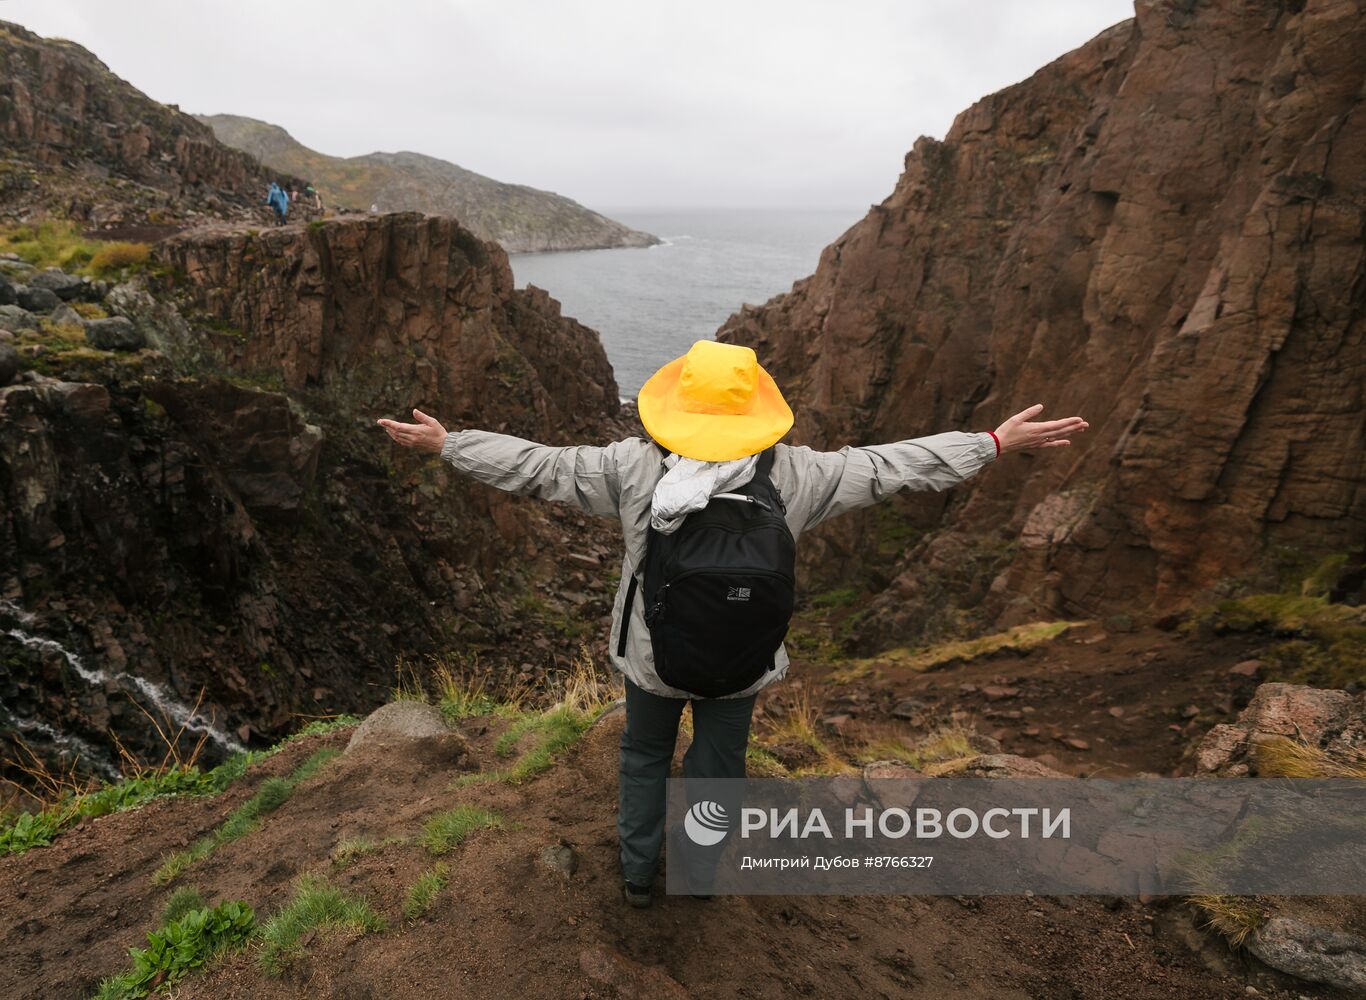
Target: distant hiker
279	201
374	208
716	504
317	198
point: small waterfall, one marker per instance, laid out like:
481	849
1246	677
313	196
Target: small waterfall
180	714
73	745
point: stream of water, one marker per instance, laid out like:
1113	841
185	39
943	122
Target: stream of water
163	703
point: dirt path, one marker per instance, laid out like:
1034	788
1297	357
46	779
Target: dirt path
507	925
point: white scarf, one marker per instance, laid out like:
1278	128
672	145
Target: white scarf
690	484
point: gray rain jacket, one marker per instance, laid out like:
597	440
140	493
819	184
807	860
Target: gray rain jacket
618	480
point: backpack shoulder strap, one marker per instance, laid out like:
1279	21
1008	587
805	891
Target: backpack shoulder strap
765	466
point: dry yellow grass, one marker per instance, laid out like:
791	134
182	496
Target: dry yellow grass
1287	758
1017	639
1232	917
798	724
944	744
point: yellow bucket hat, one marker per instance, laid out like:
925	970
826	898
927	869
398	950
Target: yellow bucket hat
714	404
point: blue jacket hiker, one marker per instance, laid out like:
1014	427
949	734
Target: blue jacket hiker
278	200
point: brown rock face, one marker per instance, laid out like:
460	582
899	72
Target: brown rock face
1160	231
80	142
220	512
395	311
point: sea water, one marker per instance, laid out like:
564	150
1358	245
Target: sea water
650	304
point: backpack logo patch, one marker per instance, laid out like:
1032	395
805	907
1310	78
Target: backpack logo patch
737	593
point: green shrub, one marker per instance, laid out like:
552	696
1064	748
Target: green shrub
33	830
315	905
448	829
180	946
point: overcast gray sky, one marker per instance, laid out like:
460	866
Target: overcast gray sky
615	103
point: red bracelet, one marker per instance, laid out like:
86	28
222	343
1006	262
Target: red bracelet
997	441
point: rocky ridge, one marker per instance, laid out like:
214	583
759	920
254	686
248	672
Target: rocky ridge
517	217
1160	231
82	144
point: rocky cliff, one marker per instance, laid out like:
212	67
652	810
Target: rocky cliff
1160	231
81	143
209	506
517	217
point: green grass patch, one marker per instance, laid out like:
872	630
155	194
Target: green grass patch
761	763
422	893
448	830
350	850
458	703
29	830
38	829
839	597
1321	643
353	849
179	947
315	906
273	793
548	735
182	901
59	243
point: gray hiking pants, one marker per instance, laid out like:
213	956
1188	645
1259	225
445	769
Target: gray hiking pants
720	737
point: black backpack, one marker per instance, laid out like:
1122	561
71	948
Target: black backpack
719	590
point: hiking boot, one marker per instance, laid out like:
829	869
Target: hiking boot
637	895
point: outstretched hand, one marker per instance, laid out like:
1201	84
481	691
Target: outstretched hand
427	434
1018	432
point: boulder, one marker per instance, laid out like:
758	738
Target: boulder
8	296
64	315
117	333
889	770
1310	952
1327	721
66	287
626	977
560	858
16	318
36	299
9	364
399	722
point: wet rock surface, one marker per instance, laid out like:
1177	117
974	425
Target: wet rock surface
220	516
